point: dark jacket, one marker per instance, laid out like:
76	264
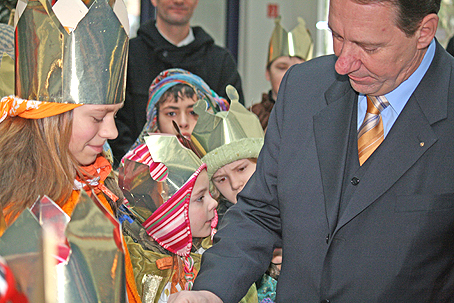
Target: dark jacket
150	54
393	241
450	46
263	109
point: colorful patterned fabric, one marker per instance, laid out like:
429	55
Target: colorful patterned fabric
141	154
12	106
267	291
162	83
6	40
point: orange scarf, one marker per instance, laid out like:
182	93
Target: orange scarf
179	276
12	106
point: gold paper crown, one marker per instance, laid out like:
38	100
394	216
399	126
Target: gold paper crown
6	60
181	162
6	75
297	42
226	136
94	271
149	185
82	61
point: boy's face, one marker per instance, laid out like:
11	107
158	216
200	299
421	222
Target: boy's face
231	178
93	125
181	112
201	207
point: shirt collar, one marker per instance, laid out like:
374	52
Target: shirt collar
189	38
400	95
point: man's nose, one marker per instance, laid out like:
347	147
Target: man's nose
348	59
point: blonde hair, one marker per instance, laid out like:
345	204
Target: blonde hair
35	160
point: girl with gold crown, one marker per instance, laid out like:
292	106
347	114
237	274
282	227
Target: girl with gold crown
286	48
70	81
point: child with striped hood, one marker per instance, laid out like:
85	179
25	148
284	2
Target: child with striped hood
170	211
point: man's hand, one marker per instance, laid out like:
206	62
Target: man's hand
196	296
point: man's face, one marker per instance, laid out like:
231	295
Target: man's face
375	54
175	12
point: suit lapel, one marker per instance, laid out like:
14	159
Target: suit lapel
331	130
410	137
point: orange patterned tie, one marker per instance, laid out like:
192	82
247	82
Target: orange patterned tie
371	133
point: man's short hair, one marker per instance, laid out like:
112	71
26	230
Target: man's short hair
410	12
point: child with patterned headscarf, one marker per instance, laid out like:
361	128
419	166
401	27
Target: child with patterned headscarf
172	95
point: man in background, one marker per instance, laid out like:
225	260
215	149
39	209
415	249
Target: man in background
169	42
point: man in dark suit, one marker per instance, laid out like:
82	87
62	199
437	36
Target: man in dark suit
356	224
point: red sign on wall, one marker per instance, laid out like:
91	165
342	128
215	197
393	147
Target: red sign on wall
272	10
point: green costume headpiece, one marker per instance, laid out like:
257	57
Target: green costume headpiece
227	136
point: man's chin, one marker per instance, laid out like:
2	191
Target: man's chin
363	88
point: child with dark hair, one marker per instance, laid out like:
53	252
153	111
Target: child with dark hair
172	96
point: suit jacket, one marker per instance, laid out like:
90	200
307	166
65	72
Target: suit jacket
394	239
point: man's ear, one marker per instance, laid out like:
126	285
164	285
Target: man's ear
153	2
427	30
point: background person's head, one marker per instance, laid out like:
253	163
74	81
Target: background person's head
230	141
379	44
174	12
286	49
172	96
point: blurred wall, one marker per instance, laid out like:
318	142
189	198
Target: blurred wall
255	30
